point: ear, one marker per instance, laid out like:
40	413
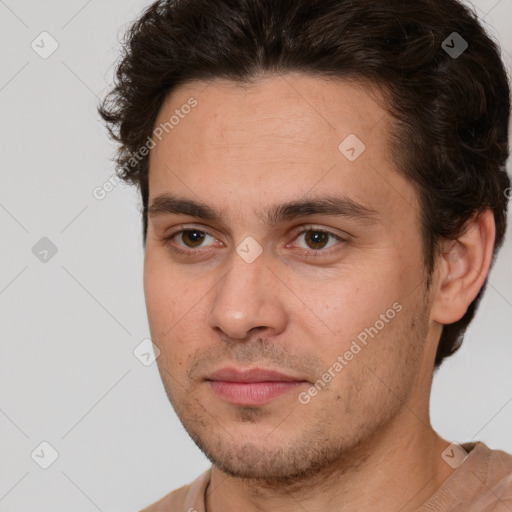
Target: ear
463	266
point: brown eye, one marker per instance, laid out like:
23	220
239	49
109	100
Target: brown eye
316	239
192	237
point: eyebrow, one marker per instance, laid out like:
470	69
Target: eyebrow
167	204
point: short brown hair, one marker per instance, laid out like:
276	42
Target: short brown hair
451	111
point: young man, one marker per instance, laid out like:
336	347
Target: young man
324	192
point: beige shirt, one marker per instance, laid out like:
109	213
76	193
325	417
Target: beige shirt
482	483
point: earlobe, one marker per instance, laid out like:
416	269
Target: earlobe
463	266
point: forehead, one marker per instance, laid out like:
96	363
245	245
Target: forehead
276	139
293	108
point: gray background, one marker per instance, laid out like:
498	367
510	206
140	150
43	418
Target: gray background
68	375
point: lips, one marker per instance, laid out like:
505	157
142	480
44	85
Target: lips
252	375
254	387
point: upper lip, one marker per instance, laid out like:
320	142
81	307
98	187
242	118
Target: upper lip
252	375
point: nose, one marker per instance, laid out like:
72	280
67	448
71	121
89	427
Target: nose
247	300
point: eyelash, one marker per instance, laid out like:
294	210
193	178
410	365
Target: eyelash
168	241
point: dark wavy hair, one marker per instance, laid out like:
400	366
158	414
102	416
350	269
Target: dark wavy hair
451	113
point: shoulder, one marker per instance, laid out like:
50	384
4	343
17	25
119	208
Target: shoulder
500	480
171	501
481	483
494	498
500	461
494	473
189	498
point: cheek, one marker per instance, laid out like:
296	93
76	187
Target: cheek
368	321
347	303
166	294
170	305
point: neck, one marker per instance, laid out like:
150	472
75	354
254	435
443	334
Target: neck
398	468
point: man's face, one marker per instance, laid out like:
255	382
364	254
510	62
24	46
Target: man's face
293	290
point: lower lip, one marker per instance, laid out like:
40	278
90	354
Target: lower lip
252	393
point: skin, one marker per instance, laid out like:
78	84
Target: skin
364	442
